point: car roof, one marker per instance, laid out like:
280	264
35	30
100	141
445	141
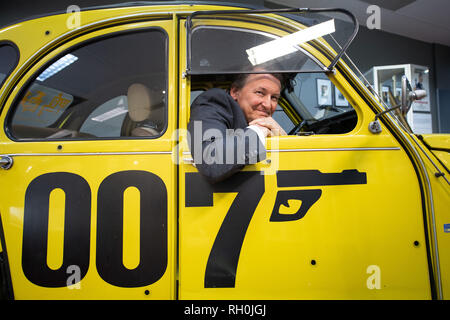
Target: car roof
141	4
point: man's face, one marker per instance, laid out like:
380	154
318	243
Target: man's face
259	96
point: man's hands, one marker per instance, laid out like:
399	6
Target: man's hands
269	127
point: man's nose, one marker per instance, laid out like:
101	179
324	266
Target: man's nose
267	102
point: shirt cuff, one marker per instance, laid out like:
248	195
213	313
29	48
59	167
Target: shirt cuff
260	134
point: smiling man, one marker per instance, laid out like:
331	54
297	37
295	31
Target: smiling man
227	130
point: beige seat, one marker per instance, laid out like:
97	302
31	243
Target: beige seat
139	110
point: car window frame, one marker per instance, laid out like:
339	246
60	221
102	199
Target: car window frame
32	78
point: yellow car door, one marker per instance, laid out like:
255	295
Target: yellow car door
88	201
334	213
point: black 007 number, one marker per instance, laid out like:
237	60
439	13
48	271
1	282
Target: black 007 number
77	228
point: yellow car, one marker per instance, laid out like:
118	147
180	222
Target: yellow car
100	198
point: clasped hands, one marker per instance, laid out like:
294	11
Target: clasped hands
269	127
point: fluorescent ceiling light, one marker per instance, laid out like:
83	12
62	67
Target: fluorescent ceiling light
57	66
110	114
287	44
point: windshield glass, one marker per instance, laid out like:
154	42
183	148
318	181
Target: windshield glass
389	93
315	97
388	96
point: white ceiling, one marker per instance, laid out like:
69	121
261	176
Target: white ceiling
425	20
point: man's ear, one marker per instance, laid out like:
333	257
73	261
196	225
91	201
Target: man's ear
234	93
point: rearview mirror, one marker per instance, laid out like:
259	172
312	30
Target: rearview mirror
408	96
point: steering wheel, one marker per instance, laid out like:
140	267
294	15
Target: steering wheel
297	128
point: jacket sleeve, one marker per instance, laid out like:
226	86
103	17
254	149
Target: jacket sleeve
219	140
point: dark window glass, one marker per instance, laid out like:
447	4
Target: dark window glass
109	88
9	57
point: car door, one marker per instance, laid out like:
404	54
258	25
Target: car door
88	204
331	214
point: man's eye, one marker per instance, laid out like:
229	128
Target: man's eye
260	93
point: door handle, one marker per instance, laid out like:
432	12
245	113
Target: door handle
6	162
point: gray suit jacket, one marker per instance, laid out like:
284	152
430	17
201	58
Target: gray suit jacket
219	140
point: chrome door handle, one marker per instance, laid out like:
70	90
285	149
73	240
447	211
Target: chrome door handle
6	162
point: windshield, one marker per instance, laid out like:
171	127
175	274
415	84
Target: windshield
315	97
388	93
